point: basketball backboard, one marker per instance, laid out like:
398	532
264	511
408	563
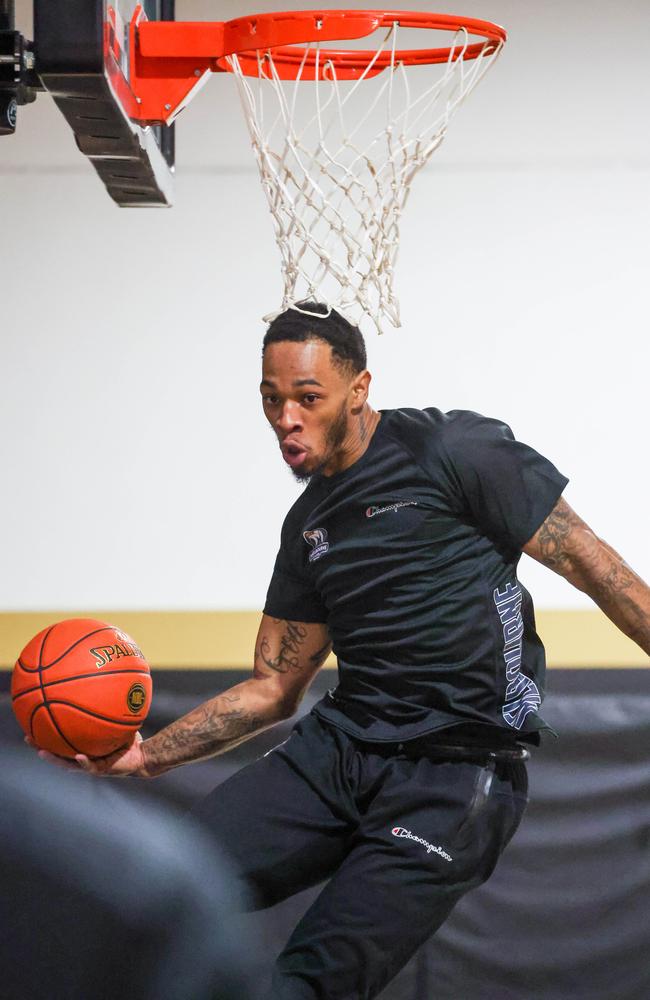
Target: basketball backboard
82	59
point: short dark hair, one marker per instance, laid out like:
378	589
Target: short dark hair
346	340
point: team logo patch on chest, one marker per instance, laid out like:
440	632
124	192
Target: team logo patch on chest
317	538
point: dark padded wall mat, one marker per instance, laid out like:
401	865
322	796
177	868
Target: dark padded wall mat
567	912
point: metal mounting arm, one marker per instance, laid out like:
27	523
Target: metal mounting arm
18	82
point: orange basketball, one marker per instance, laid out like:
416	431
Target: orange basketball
81	686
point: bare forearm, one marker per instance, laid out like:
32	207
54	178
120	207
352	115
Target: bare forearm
568	546
213	727
618	591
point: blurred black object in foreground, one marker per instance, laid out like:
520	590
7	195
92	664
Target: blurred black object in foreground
104	898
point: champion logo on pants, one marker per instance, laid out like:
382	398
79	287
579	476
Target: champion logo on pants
399	831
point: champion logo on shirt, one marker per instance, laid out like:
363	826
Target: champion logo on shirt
373	511
317	538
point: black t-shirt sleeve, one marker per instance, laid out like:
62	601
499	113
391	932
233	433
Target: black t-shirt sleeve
289	599
505	486
291	596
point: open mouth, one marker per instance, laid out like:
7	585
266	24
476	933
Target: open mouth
293	454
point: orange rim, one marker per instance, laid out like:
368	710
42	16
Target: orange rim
170	58
289	35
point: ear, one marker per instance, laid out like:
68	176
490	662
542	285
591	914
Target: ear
359	391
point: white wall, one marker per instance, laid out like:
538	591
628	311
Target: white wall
138	470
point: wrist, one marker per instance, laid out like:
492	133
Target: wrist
150	768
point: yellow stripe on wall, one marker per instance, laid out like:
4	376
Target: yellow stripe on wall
220	639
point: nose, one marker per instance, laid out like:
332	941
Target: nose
289	420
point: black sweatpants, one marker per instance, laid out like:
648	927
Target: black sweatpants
400	836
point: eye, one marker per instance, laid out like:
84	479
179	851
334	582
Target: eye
310	397
270	400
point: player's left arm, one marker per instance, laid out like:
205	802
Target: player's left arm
568	546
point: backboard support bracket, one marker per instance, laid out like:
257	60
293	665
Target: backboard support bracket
18	82
135	163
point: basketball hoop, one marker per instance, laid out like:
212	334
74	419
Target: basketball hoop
339	133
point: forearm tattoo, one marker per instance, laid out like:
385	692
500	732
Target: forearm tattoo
211	728
624	597
567	545
617	577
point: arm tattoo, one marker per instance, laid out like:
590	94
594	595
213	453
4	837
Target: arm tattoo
553	535
624	597
567	545
288	658
206	731
617	578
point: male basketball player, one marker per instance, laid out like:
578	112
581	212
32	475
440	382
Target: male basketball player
405	783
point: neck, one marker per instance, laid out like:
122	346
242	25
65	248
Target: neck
360	432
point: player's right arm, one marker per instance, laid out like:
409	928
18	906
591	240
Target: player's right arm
288	655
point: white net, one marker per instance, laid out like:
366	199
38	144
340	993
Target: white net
337	158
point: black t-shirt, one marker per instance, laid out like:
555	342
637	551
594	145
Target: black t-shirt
410	557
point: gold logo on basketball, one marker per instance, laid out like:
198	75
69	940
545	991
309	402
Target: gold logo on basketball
136	698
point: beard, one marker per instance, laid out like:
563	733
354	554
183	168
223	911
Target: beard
336	435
